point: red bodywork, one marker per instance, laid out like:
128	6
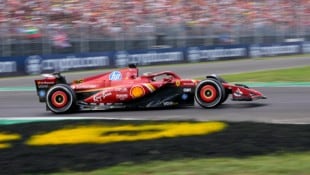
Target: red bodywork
129	87
243	93
126	88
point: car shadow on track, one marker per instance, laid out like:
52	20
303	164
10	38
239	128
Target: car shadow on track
171	110
243	105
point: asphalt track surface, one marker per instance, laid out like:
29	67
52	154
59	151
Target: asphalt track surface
284	104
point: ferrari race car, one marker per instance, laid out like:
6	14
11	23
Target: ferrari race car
125	88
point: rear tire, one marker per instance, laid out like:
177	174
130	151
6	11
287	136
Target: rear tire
210	93
61	99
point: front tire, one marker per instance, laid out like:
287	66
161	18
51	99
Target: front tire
209	93
61	99
225	97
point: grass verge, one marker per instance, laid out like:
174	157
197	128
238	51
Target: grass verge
298	74
276	164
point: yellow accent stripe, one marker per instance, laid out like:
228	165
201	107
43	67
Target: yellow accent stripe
150	87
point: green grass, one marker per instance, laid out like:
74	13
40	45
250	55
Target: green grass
298	74
280	164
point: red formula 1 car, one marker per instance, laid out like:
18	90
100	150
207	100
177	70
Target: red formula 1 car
125	88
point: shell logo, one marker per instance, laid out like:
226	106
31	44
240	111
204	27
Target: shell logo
137	91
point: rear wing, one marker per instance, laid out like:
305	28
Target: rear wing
43	85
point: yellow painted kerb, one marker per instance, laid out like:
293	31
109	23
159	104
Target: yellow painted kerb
6	137
102	134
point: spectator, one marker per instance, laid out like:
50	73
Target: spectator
111	18
60	39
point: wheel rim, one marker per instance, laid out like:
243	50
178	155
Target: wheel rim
208	93
59	99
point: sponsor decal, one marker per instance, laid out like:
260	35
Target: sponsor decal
115	75
122	96
42	93
122	58
46	82
195	53
33	65
257	51
72	62
43	86
137	91
184	96
84	86
36	64
306	48
187	90
7	66
121	89
103	134
169	103
99	97
189	84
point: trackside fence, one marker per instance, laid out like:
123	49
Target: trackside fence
37	64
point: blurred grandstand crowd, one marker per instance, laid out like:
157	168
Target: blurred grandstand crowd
64	22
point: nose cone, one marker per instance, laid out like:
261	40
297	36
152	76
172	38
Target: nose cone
257	95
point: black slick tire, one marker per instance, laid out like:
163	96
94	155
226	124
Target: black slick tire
210	93
61	99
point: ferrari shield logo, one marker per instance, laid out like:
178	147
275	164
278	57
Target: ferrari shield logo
177	83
